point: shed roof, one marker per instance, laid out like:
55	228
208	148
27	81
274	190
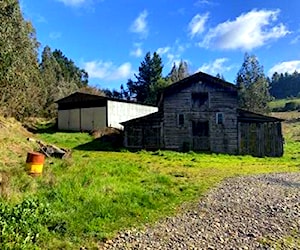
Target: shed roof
247	116
157	116
81	96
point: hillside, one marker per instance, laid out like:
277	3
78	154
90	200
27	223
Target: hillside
13	143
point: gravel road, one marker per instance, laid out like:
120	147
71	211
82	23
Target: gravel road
256	212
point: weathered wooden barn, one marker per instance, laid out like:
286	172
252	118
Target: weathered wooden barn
201	113
87	112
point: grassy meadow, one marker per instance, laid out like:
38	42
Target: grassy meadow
90	197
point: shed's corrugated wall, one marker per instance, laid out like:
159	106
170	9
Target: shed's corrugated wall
121	111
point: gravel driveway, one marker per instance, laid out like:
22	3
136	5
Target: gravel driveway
256	212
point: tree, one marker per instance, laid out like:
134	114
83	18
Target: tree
20	85
92	90
70	71
178	73
253	86
220	76
149	80
60	77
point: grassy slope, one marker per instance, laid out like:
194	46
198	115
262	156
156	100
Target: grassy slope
95	194
280	103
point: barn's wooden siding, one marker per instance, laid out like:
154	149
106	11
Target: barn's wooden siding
259	135
145	132
219	137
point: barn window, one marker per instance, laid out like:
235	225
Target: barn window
200	128
181	119
219	118
199	99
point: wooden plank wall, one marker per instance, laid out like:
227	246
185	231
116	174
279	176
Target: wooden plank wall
222	137
261	139
141	135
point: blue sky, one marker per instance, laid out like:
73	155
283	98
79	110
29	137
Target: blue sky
109	39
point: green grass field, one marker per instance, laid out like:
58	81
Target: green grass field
90	197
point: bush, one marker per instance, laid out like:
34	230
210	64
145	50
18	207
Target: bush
291	106
22	225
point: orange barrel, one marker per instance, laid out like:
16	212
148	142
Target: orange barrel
35	162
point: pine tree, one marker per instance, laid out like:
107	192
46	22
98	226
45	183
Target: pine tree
178	73
149	80
253	86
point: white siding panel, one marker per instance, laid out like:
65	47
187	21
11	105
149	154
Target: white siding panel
63	119
87	119
93	118
99	117
74	119
122	111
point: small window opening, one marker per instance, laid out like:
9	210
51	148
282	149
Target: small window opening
180	119
199	99
220	118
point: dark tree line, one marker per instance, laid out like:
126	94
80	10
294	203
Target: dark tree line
285	85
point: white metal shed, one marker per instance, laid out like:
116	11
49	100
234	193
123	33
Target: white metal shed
87	112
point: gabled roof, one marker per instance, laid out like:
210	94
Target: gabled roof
247	116
80	96
199	77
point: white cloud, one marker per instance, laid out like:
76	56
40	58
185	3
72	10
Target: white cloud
55	35
163	50
107	70
173	54
248	31
197	24
73	3
140	24
296	40
215	67
137	51
203	2
289	66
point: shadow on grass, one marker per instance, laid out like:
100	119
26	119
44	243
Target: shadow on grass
111	142
45	128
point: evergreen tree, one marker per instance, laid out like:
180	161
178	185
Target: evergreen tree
58	78
183	70
71	73
253	86
178	73
148	81
220	76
